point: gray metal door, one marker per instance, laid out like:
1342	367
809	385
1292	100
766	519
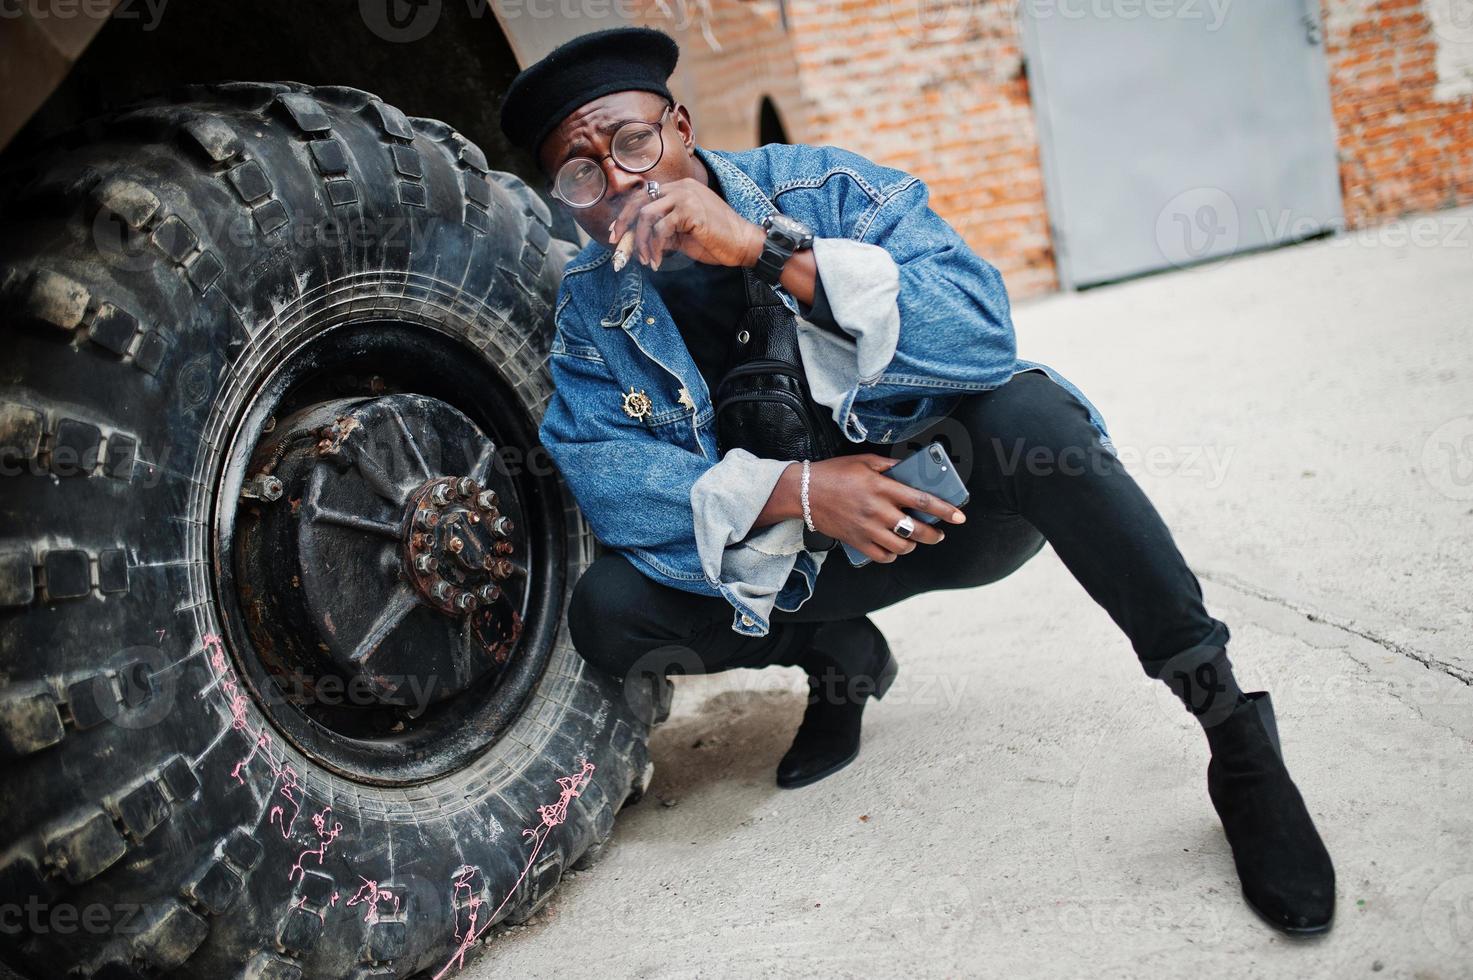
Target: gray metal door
1175	131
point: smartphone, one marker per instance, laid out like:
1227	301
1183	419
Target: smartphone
931	470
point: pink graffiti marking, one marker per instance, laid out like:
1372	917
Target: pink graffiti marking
473	904
278	812
377	901
552	814
262	745
263	740
325	835
371	894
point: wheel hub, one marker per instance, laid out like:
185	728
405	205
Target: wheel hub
382	551
459	546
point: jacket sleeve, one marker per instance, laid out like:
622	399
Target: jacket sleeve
684	519
925	312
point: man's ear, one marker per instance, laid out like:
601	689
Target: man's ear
685	128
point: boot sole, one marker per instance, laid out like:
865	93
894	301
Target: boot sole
1296	932
815	777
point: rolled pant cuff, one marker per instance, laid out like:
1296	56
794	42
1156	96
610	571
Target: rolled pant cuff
1207	649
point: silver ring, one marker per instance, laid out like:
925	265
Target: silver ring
904	528
653	186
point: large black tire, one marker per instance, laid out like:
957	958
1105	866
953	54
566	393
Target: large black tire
159	278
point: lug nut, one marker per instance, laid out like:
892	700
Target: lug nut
465	602
262	487
440	495
456	546
501	526
488	593
466	487
426	563
441	590
472	517
502	568
486	500
426	518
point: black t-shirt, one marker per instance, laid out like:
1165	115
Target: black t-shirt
707	303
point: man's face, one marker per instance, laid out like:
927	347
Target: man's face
588	131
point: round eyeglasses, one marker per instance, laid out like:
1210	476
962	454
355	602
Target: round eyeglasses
636	147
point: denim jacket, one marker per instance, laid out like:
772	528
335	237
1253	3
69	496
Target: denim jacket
927	321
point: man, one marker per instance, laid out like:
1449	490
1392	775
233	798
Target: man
905	336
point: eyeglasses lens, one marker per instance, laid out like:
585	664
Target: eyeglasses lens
580	182
636	148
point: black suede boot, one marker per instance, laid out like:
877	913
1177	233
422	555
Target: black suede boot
1282	864
847	662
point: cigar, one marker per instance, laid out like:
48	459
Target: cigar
623	250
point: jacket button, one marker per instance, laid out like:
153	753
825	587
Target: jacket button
649	319
747	621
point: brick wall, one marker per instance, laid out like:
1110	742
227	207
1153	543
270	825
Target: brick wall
946	98
1405	134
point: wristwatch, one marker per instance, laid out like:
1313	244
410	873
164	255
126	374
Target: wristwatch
785	236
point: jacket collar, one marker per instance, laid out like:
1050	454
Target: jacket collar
740	191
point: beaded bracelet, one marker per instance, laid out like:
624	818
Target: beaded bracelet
803	495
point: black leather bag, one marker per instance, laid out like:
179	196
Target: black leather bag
762	402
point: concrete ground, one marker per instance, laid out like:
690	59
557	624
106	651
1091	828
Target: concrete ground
1027	803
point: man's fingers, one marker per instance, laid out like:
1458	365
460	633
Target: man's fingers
875	553
904	496
625	219
644	222
662	239
894	543
924	533
876	462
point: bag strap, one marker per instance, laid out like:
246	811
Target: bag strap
759	293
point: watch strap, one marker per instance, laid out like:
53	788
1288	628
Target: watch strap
770	262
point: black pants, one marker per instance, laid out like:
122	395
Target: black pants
1036	471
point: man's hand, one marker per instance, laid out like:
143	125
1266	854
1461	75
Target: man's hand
691	218
851	499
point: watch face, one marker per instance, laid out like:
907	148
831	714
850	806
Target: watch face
791	230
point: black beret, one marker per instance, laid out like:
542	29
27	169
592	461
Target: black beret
581	70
